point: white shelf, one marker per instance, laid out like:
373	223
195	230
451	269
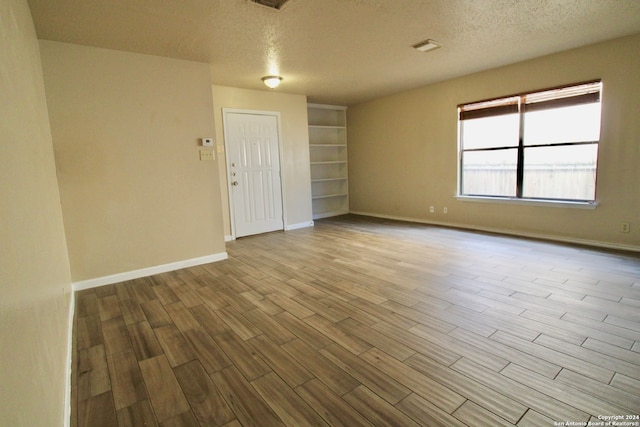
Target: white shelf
326	196
328	156
326	127
328	214
330	162
329	116
344	178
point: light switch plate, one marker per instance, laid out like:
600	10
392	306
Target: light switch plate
207	142
207	155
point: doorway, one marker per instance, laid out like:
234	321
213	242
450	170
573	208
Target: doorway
252	140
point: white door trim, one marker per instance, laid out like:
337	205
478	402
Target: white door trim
275	114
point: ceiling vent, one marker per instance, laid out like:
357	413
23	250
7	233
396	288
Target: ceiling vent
426	45
273	4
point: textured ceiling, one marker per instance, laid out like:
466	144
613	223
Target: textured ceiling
338	51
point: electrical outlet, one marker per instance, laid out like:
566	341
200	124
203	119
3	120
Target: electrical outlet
445	210
624	227
432	209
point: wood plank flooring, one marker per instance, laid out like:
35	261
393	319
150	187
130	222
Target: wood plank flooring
365	322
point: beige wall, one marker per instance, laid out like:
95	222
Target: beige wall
34	268
403	149
126	131
296	180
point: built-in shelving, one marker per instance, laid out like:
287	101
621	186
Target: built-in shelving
329	162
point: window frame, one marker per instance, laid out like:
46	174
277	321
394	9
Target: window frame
587	92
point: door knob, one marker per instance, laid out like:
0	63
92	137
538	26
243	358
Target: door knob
234	183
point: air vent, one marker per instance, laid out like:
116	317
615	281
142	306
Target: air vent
426	45
273	4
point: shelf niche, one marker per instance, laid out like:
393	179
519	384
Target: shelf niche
329	160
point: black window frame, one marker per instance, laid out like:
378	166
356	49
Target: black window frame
574	94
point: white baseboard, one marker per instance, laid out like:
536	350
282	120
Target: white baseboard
550	237
149	271
231	238
299	225
69	368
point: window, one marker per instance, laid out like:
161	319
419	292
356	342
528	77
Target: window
541	145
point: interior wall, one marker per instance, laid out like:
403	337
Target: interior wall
296	174
403	149
34	267
126	130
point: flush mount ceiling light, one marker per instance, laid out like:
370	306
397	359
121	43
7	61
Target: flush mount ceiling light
426	45
272	82
273	4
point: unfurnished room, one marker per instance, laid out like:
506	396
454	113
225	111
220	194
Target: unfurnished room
319	213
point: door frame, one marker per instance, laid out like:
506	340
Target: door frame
276	114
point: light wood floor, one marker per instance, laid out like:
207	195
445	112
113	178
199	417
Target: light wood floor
358	321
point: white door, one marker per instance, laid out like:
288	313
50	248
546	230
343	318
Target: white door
253	163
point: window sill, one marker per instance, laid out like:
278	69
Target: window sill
529	202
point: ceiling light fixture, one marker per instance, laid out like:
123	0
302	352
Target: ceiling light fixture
273	4
426	45
272	82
